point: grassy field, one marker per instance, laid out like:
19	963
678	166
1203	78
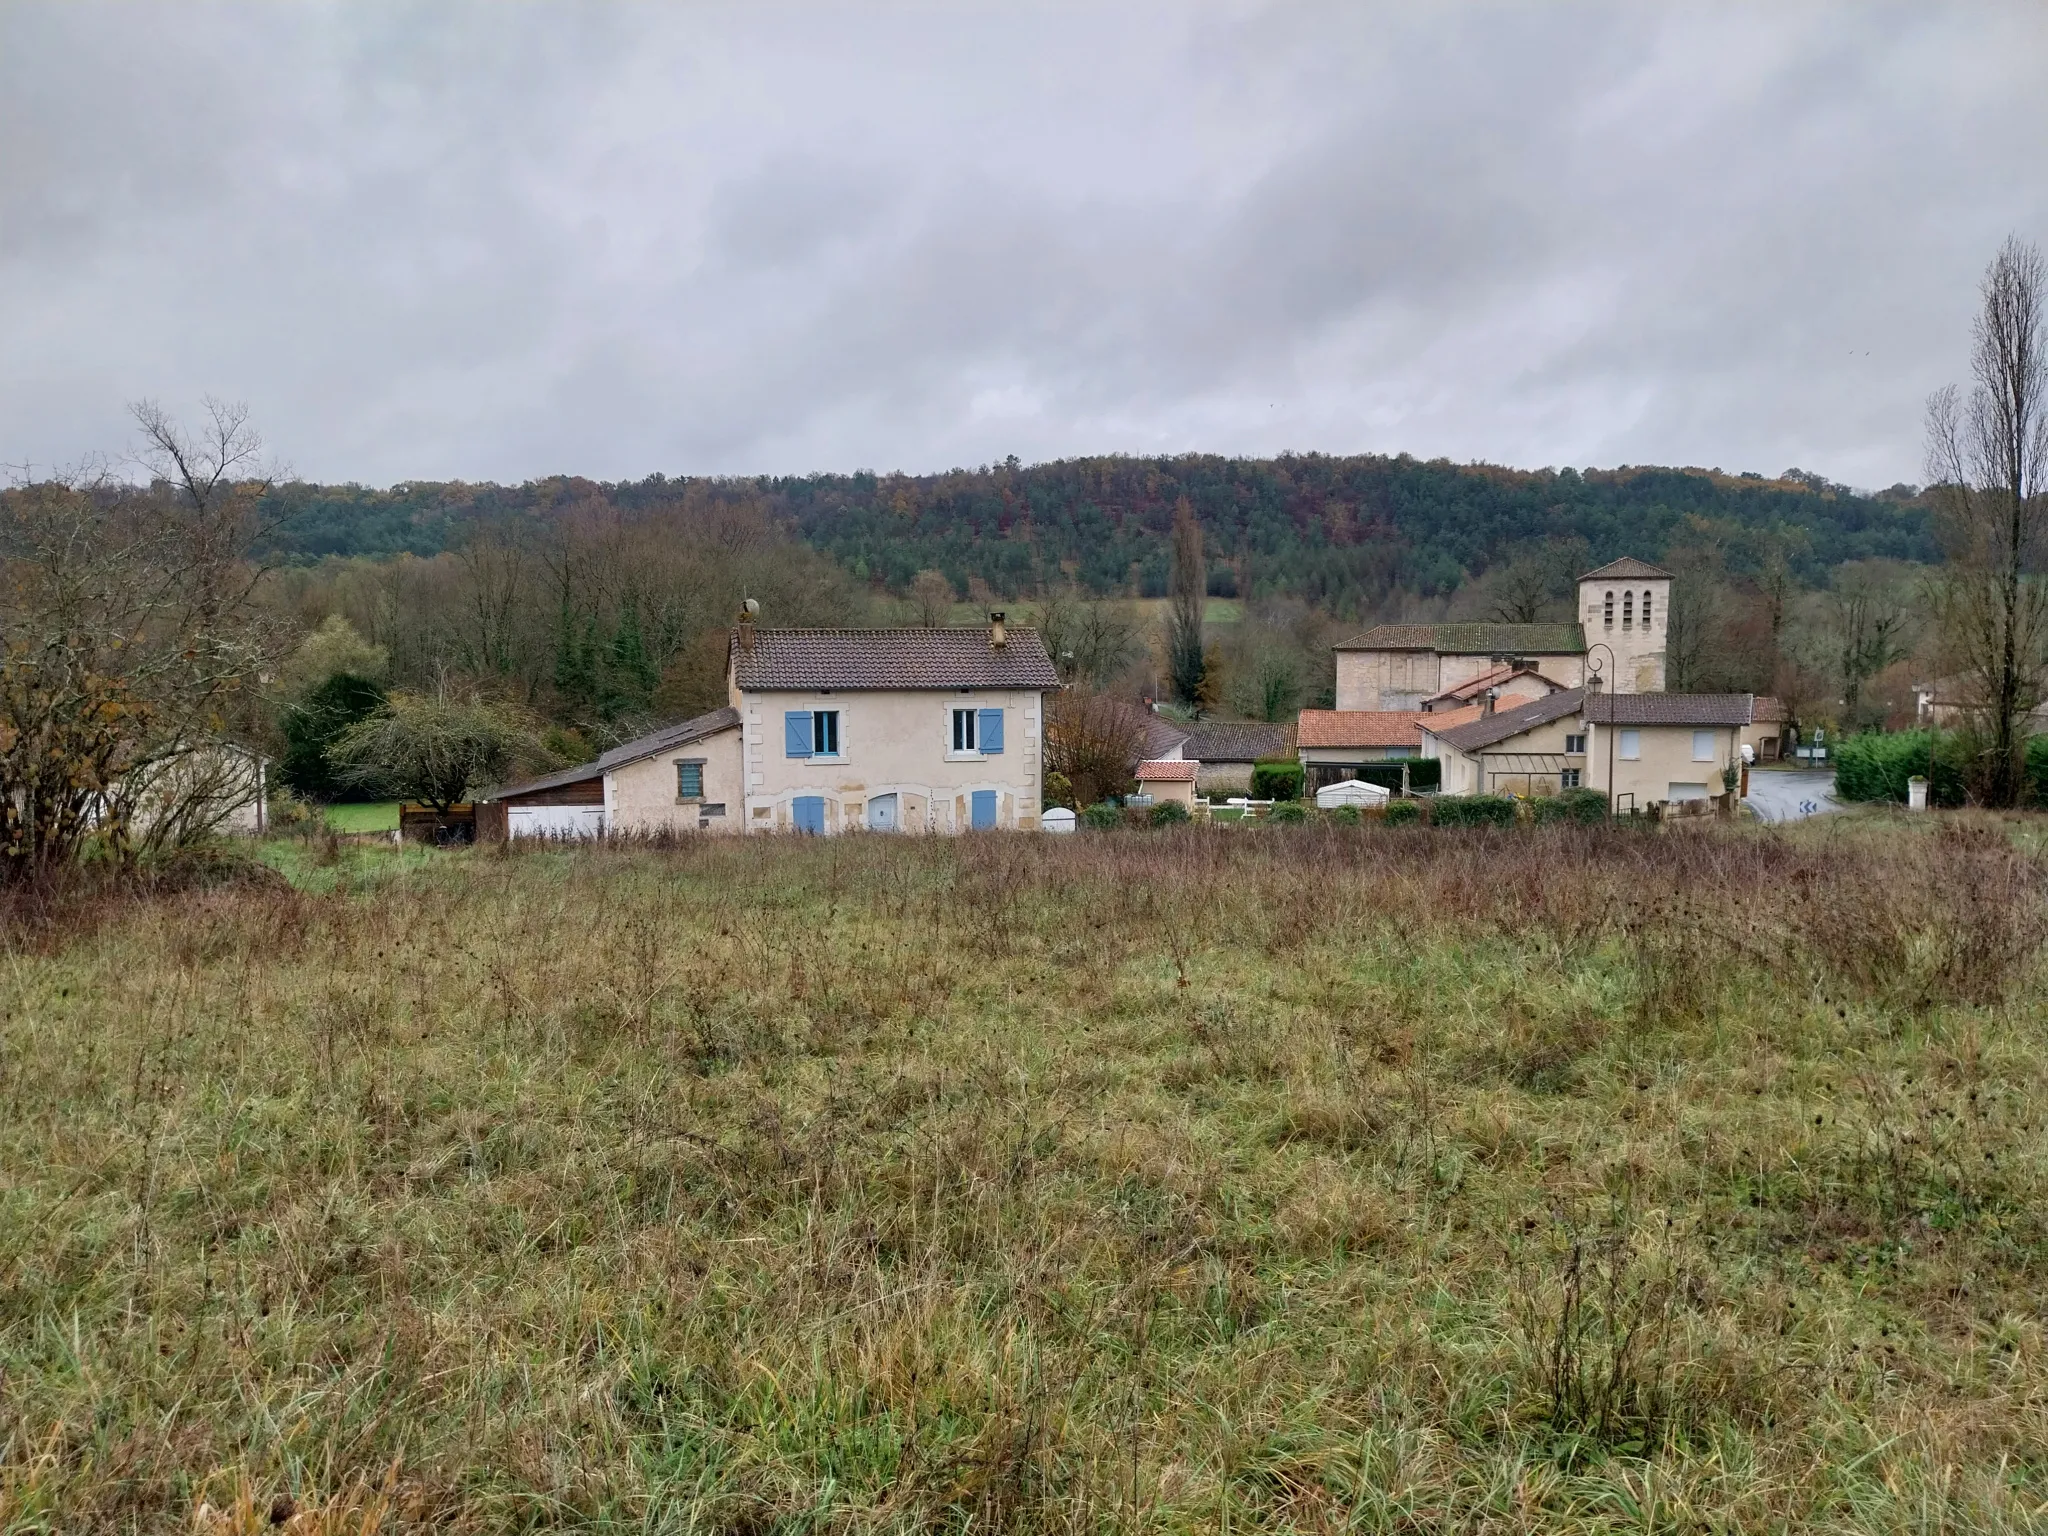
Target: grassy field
369	816
1312	1179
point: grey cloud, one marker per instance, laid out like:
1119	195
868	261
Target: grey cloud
496	242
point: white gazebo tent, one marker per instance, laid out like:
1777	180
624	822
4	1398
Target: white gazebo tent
1351	792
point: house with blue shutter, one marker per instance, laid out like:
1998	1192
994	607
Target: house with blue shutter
890	730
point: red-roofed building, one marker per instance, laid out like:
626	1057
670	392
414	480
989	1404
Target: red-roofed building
1169	779
1334	744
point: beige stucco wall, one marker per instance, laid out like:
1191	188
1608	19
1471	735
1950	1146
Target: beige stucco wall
1638	648
641	797
1366	679
1162	790
1386	680
1666	759
893	743
1566	670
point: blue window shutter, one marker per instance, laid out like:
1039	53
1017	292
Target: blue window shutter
983	810
990	729
807	814
796	732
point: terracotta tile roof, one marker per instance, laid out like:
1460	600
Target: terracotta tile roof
1173	770
1627	568
891	658
1373	727
1473	639
680	734
1236	741
1770	711
1492	678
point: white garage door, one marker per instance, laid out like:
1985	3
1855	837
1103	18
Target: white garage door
554	821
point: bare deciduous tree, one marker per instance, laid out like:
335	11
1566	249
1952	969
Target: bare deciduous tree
1187	663
1985	454
931	594
1094	742
129	646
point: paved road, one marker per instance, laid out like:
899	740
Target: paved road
1791	794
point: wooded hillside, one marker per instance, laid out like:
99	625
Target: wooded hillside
1344	533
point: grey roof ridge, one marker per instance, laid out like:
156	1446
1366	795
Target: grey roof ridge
1503	723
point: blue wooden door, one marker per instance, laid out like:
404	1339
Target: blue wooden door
808	813
983	810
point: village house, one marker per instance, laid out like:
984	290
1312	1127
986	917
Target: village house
828	730
1623	613
1335	744
681	778
1640	748
1227	751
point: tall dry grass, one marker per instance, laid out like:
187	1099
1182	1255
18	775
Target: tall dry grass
1301	1179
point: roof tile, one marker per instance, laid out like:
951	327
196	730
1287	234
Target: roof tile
782	659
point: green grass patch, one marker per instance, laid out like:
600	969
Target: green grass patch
1573	1179
367	816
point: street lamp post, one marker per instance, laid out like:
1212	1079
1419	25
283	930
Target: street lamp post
1594	681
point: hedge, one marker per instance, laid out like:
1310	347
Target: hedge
1875	765
1102	816
1581	806
1402	813
1289	812
1276	778
1168	813
1472	811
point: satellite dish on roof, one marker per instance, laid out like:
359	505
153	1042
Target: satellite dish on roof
751	606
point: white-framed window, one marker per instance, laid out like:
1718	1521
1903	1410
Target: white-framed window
963	729
1569	779
1629	746
1575	746
811	733
1703	746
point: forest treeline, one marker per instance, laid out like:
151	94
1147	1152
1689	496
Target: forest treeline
1352	536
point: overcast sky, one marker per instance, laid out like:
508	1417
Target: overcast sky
499	241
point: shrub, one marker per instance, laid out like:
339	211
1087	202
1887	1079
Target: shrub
1472	811
1102	816
1346	816
1583	807
1875	765
1057	791
1169	813
1290	812
1276	778
1402	813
